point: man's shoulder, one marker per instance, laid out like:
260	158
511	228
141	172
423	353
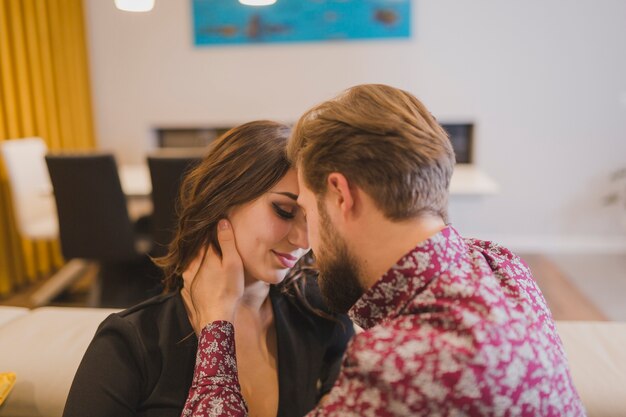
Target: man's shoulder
502	261
491	248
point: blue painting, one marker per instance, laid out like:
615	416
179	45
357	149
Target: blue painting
227	22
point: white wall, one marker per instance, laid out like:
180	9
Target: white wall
545	83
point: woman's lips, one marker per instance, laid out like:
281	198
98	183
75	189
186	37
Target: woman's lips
287	260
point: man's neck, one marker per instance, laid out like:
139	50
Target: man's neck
382	243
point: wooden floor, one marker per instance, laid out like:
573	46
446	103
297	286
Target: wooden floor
565	300
120	285
76	296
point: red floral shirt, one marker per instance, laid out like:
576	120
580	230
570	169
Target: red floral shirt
457	327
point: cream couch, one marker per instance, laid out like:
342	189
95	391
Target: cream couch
44	347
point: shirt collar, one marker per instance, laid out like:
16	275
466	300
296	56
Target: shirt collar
407	278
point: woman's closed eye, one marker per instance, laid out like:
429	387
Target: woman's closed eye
285	214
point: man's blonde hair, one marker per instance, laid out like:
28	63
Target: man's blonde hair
383	140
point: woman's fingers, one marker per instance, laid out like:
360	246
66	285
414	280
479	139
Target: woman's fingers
215	285
231	261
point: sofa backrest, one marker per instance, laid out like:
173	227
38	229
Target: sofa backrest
44	348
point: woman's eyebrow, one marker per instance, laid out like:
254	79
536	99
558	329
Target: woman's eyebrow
293	196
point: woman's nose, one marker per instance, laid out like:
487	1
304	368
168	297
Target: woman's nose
298	235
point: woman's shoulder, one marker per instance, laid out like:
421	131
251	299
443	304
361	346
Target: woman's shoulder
164	314
151	305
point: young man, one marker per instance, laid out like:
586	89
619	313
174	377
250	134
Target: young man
452	326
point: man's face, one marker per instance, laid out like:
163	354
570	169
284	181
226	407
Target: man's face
338	268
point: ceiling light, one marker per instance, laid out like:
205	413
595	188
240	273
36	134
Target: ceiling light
135	5
257	2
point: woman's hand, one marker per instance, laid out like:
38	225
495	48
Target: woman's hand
213	285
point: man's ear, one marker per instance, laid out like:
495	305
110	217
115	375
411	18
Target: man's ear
339	194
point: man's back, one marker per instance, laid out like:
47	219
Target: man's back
457	327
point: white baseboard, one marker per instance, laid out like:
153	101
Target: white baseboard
561	244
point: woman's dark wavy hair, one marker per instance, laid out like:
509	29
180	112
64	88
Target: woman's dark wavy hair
239	167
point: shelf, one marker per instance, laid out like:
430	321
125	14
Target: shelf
467	179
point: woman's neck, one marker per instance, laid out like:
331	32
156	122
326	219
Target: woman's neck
255	301
255	294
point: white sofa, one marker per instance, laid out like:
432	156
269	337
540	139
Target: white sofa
597	357
44	348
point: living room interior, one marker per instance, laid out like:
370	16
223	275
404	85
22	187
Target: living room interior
532	93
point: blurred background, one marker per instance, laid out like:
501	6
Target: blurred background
541	85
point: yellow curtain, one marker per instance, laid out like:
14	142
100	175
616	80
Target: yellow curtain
44	91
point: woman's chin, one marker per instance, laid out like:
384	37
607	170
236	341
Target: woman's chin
275	278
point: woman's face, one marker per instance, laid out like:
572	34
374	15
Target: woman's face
270	232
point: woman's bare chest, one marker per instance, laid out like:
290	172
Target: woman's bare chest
257	363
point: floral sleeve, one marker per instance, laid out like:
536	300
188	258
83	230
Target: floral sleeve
215	389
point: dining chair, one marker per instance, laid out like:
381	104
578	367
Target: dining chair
34	208
94	225
166	173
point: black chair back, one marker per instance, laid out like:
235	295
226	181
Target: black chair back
93	216
166	173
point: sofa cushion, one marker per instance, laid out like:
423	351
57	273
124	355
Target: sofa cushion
44	349
596	352
10	313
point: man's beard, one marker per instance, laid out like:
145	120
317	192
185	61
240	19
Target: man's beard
338	270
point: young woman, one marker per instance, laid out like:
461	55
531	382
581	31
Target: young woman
289	349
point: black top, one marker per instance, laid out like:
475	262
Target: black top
141	360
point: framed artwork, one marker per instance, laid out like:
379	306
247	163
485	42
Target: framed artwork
228	22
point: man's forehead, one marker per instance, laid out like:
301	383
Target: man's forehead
298	173
305	192
301	184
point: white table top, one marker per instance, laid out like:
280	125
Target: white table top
135	179
467	179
